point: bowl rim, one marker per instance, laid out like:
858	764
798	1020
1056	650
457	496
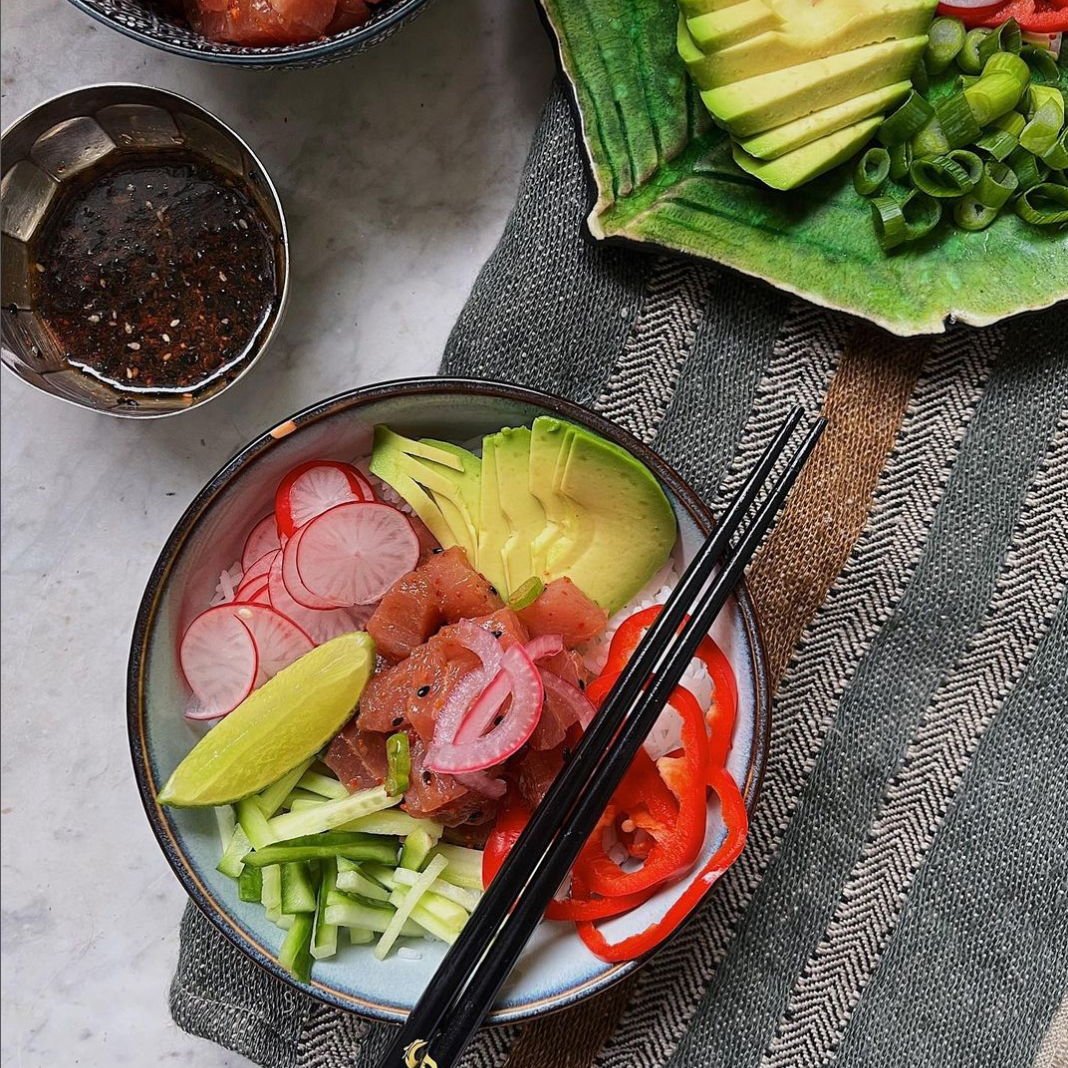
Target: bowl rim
309	51
190	519
264	177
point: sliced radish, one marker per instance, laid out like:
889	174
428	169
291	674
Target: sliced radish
313	488
319	624
259	595
220	661
279	641
261	540
365	485
291	577
256	575
353	553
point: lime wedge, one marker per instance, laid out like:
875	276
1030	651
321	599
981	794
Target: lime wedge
287	720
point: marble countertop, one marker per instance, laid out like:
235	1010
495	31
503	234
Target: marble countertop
397	170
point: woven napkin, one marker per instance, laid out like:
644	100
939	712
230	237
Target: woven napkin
902	897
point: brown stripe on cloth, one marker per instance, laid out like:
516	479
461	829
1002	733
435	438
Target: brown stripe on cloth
865	403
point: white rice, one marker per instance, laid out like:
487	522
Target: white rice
666	735
408	953
227	585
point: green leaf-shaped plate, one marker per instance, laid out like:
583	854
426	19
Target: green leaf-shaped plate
664	177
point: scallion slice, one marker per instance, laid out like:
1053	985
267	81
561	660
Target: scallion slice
998	144
906	121
1008	63
940	177
871	171
922	214
1057	154
900	161
970	162
997	184
945	39
1044	205
992	96
930	141
1042	65
1029	170
968	58
969	214
889	222
1006	38
1046	119
958	120
1012	123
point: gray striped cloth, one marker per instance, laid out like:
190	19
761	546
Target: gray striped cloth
903	897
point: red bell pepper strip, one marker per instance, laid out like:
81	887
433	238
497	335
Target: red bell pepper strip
636	945
676	845
1033	16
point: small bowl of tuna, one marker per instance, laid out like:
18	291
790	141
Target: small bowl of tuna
367	649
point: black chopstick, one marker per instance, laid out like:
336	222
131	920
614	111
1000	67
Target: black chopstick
517	897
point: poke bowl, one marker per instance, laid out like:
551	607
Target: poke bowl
164	24
182	679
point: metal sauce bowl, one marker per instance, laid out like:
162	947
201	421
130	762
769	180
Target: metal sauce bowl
57	141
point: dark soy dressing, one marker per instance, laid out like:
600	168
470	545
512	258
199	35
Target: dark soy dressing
157	274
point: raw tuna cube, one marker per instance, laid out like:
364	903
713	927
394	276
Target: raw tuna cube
441	797
358	757
260	22
564	609
461	592
406	616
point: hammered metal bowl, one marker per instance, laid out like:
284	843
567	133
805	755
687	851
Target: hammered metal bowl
49	147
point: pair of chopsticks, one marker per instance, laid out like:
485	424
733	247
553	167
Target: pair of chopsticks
467	983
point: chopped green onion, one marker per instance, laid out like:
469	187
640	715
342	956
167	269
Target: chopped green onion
940	177
968	58
958	120
1006	38
1008	63
1012	123
1046	119
971	163
930	141
295	954
969	214
993	95
945	39
900	160
998	144
871	171
922	214
1042	65
919	77
906	121
996	185
398	763
1057	153
526	594
1029	170
889	222
966	81
1044	205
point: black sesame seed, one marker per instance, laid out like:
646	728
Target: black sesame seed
582	684
426	776
566	754
474	817
498	634
493	590
422	691
498	720
439	549
398	720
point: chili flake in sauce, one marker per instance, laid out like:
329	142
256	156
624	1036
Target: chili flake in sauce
157	274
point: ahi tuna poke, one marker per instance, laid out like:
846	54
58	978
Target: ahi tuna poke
258	23
404	658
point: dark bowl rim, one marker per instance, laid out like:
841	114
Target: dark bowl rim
308	52
357	398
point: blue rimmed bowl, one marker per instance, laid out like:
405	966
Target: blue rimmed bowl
152	23
556	969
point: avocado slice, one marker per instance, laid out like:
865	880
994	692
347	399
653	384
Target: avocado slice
548	441
805	163
493	526
792	135
622	521
763	102
439	481
522	513
808	31
731	25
